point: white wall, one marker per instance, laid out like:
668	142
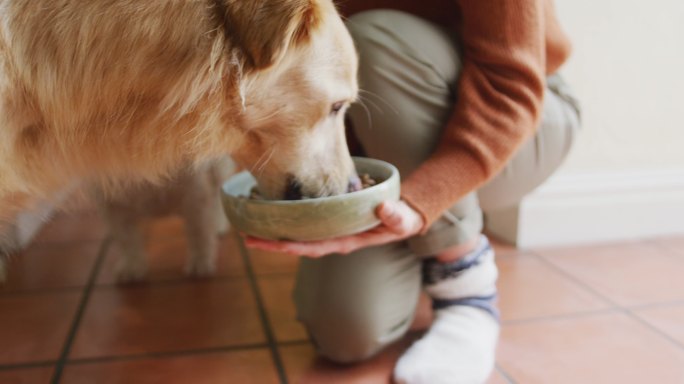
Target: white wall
625	176
628	70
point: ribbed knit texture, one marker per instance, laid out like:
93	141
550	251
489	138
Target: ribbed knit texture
509	47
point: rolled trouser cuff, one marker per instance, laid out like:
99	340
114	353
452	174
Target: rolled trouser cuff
485	303
469	281
460	224
435	271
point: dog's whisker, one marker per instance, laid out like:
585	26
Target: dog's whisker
258	167
268	159
256	164
380	98
364	100
368	114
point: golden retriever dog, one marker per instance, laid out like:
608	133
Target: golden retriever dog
115	92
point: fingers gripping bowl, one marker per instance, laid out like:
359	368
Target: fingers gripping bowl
311	219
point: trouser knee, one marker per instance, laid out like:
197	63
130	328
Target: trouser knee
354	305
342	340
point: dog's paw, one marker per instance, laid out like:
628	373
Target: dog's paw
223	229
223	225
127	272
200	268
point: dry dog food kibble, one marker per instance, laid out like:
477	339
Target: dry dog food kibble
254	194
366	182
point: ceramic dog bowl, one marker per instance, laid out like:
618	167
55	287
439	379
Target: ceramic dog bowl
310	219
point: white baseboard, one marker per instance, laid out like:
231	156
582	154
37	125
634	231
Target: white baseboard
594	208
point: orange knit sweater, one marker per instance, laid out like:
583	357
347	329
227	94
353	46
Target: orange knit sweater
509	47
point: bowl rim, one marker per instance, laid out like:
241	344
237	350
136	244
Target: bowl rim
394	174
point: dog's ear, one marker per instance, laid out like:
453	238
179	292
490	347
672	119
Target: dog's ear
265	29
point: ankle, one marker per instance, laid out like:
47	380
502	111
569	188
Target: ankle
471	276
458	251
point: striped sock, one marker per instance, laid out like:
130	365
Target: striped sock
460	345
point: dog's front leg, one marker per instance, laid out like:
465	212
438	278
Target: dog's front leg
200	207
132	265
3	269
222	223
220	171
126	235
8	245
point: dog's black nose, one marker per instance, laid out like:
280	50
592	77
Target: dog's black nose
354	184
293	191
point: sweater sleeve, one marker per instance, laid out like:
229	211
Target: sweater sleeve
499	95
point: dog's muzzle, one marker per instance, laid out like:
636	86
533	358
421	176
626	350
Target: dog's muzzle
293	190
354	184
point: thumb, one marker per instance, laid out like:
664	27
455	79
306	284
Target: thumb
390	214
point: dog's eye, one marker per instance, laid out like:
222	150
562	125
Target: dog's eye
336	107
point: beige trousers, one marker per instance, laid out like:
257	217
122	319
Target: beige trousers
354	305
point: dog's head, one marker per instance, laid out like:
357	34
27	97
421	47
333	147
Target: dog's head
299	77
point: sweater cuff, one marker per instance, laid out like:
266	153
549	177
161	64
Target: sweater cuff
441	182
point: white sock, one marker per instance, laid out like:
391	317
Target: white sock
460	345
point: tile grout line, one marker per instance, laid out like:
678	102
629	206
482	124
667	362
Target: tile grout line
263	314
61	361
168	282
290	343
167	354
655	305
41	291
275	275
619	308
35	364
574	279
152	355
612	306
654	329
505	374
564	316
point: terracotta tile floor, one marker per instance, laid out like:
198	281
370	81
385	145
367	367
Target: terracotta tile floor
611	313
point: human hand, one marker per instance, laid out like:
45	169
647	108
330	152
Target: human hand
398	221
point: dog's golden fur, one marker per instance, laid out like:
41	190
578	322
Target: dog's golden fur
125	90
